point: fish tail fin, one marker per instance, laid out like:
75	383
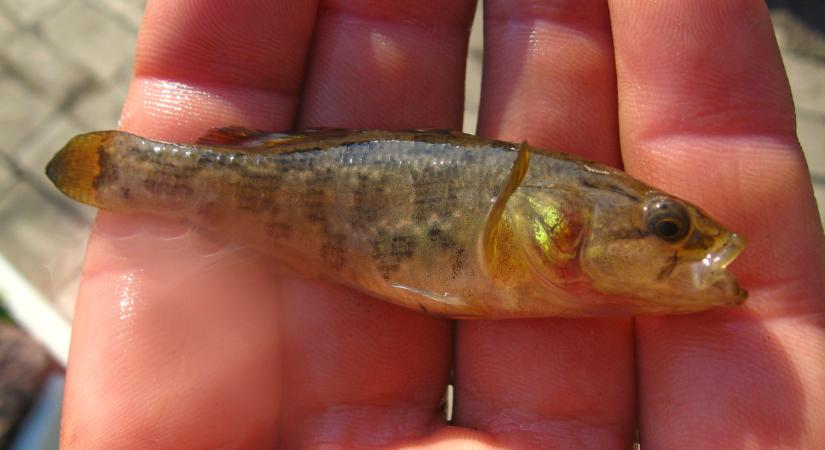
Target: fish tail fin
76	167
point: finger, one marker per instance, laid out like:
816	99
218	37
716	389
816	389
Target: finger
706	114
373	373
161	352
388	64
227	63
548	78
173	340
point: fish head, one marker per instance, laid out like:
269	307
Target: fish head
642	251
661	250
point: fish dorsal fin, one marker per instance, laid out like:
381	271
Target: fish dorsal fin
495	218
319	138
242	136
326	133
239	136
249	137
437	131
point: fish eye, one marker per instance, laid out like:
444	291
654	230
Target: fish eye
667	219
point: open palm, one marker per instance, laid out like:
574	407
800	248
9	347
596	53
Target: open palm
184	341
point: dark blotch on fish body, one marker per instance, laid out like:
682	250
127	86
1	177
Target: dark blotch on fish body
390	249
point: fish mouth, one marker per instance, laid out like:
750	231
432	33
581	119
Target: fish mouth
710	273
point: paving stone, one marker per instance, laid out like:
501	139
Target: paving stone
23	109
66	299
6	26
90	37
811	133
30	11
807	79
41	65
797	26
7	178
471	97
819	193
41	241
130	11
50	137
38	152
806	75
472	79
100	108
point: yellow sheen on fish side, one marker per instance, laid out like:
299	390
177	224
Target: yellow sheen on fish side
554	229
545	234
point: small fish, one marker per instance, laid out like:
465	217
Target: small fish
438	221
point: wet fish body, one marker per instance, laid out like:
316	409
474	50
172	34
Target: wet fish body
442	222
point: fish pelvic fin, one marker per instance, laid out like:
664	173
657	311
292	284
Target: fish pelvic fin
445	298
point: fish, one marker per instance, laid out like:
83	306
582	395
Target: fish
438	221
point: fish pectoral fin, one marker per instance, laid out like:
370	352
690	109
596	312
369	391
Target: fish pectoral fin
434	296
496	216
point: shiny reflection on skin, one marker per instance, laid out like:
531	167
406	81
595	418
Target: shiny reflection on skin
127	297
127	289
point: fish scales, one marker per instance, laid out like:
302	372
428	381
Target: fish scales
429	220
365	210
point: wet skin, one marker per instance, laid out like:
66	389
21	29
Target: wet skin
182	341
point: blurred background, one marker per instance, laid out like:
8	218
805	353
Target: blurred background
64	69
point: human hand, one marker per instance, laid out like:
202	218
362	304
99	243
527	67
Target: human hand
180	343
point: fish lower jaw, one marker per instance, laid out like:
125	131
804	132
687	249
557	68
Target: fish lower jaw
716	282
710	274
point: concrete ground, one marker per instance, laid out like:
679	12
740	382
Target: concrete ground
64	69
